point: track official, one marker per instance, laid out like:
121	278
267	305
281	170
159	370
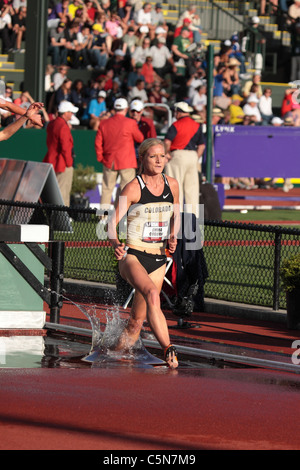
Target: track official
184	145
114	146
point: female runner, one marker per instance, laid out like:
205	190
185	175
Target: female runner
151	202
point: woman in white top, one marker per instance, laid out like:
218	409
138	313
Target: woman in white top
251	108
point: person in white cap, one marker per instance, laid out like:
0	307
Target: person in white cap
114	145
251	108
185	145
97	110
145	125
60	146
256	40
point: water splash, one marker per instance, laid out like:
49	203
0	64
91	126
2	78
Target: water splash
107	327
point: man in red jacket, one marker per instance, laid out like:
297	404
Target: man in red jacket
60	148
114	146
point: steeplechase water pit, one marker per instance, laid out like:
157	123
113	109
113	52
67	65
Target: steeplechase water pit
91	345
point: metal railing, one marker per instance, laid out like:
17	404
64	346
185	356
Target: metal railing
243	260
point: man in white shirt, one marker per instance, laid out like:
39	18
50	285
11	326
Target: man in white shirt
143	18
265	106
199	100
141	52
162	59
138	91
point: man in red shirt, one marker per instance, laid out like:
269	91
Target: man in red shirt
114	146
60	148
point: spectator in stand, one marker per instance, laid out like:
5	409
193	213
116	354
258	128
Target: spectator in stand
186	24
294	12
72	45
57	45
294	114
251	109
225	51
114	30
85	39
195	22
7	116
78	97
145	125
62	11
265	106
97	110
118	154
255	81
98	51
73	7
49	83
157	95
118	64
141	33
17	4
199	101
256	41
126	13
221	88
92	7
113	94
141	52
287	102
157	17
64	92
236	111
179	49
60	76
196	76
143	18
138	91
295	51
134	75
273	10
149	73
231	77
18	29
23	101
5	28
163	62
129	42
237	53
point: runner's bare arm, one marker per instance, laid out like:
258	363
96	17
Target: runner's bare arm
128	196
14	108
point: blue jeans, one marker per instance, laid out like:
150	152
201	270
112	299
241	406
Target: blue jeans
99	59
59	55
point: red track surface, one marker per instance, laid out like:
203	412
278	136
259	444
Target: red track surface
159	409
143	409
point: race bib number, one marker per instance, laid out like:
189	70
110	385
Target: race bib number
155	232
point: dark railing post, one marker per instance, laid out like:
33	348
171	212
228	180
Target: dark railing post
56	279
276	284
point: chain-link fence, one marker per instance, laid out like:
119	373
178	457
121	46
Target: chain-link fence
243	260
